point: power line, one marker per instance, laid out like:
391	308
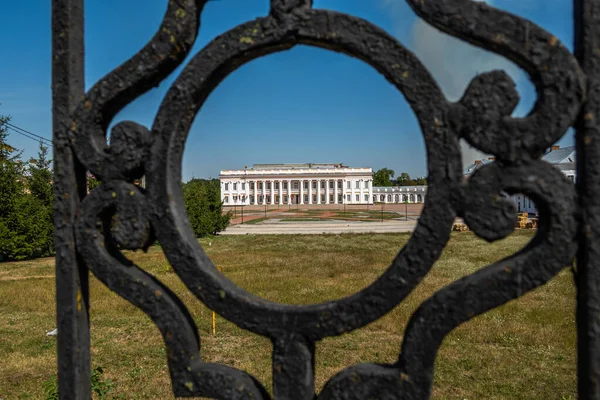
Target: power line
25	133
48	143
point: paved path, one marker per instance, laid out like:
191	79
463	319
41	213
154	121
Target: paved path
275	227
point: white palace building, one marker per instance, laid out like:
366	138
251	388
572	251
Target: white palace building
270	184
297	184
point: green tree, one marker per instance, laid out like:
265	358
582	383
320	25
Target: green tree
421	181
202	200
40	187
26	228
383	177
404	180
11	172
41	176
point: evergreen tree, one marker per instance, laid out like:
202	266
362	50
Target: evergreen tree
202	200
41	176
26	228
40	188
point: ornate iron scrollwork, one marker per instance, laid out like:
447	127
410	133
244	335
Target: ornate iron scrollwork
131	218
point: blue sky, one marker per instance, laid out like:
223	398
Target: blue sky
302	105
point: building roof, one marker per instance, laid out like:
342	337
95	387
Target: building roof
478	163
560	155
298	166
393	189
565	156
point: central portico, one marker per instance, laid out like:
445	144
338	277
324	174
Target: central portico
270	184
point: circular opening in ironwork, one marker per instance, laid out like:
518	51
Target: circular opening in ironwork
306	107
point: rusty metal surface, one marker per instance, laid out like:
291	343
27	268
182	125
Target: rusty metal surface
482	117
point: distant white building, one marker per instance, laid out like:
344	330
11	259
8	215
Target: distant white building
562	158
297	184
399	194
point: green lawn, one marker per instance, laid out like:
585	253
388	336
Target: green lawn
524	350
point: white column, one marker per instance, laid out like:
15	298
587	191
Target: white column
370	191
272	192
335	191
327	191
301	183
318	191
280	191
255	193
264	188
289	191
310	192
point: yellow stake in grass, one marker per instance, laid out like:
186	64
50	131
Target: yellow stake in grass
214	315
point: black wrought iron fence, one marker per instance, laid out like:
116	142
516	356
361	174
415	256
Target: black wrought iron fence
569	224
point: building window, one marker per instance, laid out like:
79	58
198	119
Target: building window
349	197
358	197
306	199
571	178
227	187
314	198
367	198
226	200
330	184
295	185
339	184
314	185
305	185
235	186
260	185
358	184
243	186
322	198
285	185
340	197
349	183
322	184
331	198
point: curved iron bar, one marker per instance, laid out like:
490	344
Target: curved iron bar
483	114
189	375
552	248
145	70
337	32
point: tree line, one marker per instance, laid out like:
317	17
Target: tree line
385	177
26	203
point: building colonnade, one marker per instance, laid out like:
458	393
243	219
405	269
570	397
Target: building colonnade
274	191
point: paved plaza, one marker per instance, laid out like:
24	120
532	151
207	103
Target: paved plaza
277	227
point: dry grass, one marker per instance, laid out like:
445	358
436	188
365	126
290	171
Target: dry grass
523	350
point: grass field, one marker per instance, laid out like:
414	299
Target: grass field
523	350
